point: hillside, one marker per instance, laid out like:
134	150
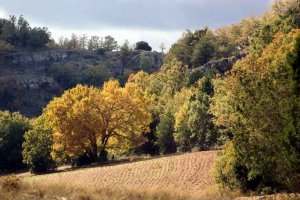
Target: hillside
188	173
30	79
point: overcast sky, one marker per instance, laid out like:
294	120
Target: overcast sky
154	21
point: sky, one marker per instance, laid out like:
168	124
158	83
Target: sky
154	21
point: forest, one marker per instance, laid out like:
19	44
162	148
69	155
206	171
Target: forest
251	113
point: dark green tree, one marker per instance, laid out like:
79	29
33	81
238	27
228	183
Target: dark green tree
39	37
165	130
142	45
12	129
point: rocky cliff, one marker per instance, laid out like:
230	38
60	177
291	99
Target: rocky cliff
221	66
29	80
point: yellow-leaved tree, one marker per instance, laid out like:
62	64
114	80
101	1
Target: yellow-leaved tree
89	121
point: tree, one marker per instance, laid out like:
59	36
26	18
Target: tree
146	63
89	121
83	40
204	50
23	31
74	42
204	134
9	31
67	75
258	102
12	128
165	130
162	47
142	45
125	51
93	43
182	133
109	43
37	147
96	75
182	50
39	37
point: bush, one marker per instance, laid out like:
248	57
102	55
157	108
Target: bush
37	147
96	75
100	51
12	128
142	46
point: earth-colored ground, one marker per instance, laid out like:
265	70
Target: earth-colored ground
189	173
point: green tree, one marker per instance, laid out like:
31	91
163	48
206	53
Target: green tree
258	102
93	43
204	50
12	128
96	75
182	50
23	29
66	75
109	43
39	37
37	147
165	130
142	45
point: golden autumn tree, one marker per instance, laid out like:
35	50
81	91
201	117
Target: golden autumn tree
89	121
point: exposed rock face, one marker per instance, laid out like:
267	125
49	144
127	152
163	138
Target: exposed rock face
222	65
26	85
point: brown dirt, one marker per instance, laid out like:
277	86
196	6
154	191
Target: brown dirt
189	173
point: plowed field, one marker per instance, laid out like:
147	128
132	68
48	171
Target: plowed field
189	173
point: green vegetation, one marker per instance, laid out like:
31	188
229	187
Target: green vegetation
259	104
17	32
142	45
12	128
251	111
37	147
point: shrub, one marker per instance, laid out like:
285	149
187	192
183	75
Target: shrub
12	128
142	46
37	147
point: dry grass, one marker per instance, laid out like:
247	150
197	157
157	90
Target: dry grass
180	177
13	188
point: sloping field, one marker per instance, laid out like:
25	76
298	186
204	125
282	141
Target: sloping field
189	173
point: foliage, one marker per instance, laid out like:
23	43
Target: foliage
146	63
283	17
142	45
19	33
96	75
66	75
95	43
204	50
12	128
37	147
90	121
165	130
182	50
193	125
258	102
109	43
38	37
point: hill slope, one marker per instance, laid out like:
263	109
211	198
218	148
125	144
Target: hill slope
189	173
30	79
